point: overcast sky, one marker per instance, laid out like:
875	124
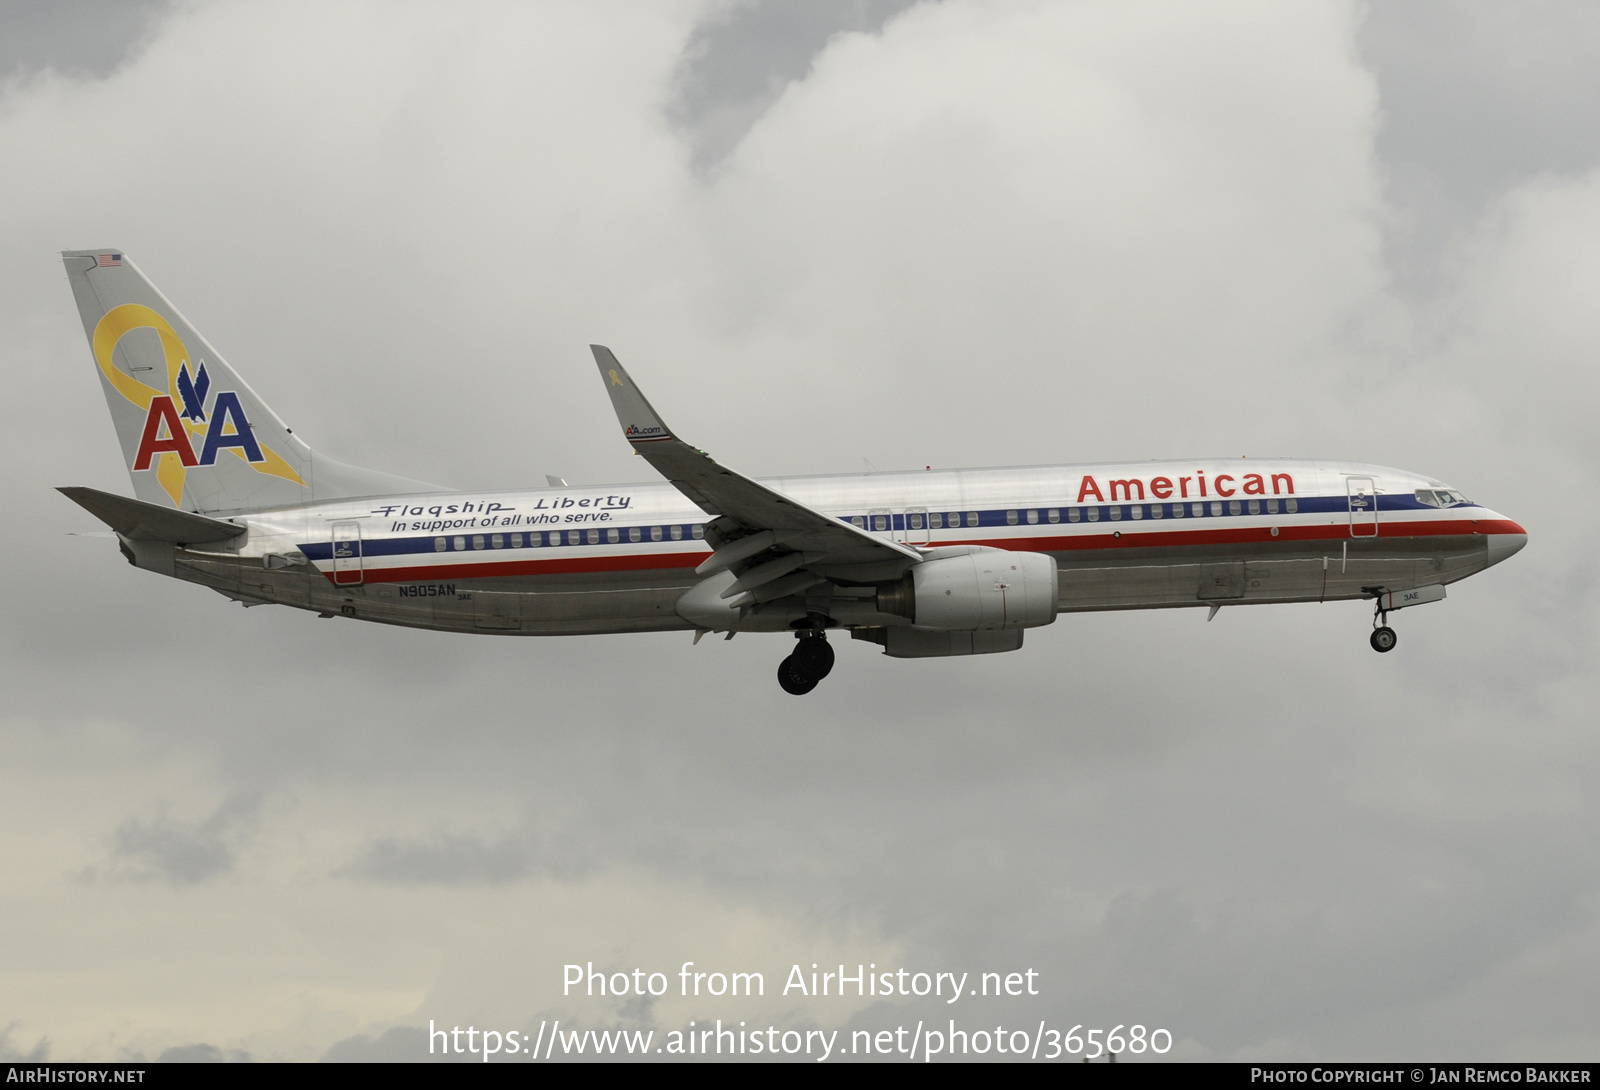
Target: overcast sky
947	233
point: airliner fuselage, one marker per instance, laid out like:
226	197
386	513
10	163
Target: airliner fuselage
929	563
617	558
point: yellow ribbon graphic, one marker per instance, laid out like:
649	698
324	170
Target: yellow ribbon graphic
170	470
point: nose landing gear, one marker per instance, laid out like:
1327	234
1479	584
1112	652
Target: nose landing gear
1383	637
809	662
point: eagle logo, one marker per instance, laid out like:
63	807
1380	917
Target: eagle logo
193	393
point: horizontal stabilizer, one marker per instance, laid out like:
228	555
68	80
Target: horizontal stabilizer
141	521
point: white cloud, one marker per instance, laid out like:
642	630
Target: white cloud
991	234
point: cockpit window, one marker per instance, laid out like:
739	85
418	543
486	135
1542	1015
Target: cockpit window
1440	497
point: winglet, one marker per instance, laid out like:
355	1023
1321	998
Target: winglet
640	423
720	492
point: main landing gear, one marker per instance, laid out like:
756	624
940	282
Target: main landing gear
809	662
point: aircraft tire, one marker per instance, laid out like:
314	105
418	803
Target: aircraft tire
792	680
1384	639
813	657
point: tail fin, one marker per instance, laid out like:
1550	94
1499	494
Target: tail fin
194	435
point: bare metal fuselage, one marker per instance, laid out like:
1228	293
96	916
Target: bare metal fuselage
618	558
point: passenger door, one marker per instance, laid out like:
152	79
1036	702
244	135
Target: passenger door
347	554
1363	497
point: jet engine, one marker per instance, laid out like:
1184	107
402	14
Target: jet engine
980	589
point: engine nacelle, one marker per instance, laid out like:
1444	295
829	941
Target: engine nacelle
911	642
978	589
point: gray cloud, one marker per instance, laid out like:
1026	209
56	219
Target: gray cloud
1477	98
401	1044
12	1052
448	859
88	37
183	853
739	60
202	1054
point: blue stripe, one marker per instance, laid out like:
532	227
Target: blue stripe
995	519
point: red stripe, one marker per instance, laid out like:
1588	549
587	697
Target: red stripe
1252	535
1145	538
495	569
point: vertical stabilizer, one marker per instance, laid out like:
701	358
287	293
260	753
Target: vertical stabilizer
194	435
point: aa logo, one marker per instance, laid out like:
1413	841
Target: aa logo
179	420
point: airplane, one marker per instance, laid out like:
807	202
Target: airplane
923	564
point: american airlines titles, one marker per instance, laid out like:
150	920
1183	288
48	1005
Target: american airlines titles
1182	488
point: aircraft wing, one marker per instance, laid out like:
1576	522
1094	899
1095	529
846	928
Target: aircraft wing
749	513
143	521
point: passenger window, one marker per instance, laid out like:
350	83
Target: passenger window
972	518
1137	510
1054	514
573	537
1198	509
613	536
461	543
858	522
1235	507
1073	514
555	537
697	531
1011	518
1291	505
1033	518
1272	507
1255	507
1156	510
676	532
935	521
1116	513
916	522
1177	510
1216	508
880	522
477	541
634	534
439	545
593	536
655	533
1094	514
498	541
516	541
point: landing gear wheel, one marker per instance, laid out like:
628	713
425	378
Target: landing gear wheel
793	681
813	656
1384	639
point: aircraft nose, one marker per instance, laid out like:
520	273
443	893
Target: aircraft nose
1501	546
